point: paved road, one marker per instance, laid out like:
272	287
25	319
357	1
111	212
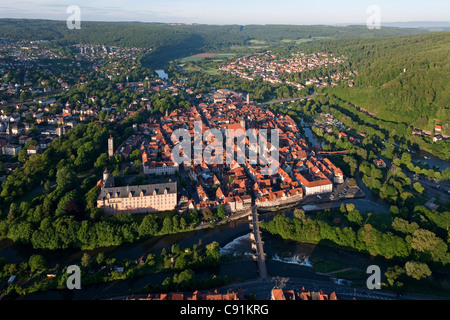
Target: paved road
369	195
44	96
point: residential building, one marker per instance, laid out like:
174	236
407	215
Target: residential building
11	149
33	150
160	168
283	294
323	185
379	163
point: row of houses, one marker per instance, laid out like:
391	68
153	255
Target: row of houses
280	294
271	67
196	295
276	293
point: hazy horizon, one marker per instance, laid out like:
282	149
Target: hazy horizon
216	12
408	24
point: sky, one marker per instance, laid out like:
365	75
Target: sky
243	12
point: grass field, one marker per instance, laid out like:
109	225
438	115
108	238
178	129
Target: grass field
257	42
210	71
299	41
351	275
202	56
381	219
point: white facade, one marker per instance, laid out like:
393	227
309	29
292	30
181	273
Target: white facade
138	199
325	188
161	170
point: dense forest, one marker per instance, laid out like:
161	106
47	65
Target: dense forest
415	242
136	34
401	79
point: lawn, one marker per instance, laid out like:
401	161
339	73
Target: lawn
324	266
383	220
210	71
191	69
351	275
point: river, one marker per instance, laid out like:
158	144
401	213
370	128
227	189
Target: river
423	157
311	136
427	158
223	234
285	258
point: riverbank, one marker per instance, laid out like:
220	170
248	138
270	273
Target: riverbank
285	258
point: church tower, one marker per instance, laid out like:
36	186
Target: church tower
110	147
243	123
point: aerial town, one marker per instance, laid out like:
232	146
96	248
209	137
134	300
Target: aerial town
31	127
274	68
301	172
235	164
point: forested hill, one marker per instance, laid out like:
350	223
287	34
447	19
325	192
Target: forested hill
114	34
159	34
171	41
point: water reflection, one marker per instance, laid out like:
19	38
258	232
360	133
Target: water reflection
431	160
285	258
223	234
311	136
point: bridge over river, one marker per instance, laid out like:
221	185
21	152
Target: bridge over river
257	244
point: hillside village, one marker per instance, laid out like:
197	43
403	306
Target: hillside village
274	68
